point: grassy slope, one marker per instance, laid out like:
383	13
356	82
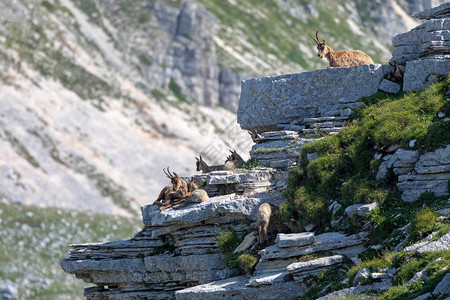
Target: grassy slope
34	240
346	169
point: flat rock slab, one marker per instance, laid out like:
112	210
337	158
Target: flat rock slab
360	209
255	175
266	102
331	241
318	263
441	244
216	206
236	288
441	11
295	239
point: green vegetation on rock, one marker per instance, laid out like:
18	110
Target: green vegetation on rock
346	169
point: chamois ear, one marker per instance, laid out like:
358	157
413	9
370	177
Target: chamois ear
176	175
197	158
324	42
201	158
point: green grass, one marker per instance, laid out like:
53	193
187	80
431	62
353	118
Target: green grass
345	168
35	239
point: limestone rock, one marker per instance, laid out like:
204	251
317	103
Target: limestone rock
362	275
360	209
236	288
334	242
266	102
420	74
8	290
443	287
300	270
152	216
441	244
295	239
441	11
249	240
389	86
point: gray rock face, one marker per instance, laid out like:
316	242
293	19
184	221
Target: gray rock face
420	74
425	49
389	86
360	209
441	11
333	241
301	270
430	172
236	288
443	288
266	102
418	174
295	239
152	216
362	275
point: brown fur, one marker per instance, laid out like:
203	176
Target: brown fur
171	194
397	72
344	58
263	219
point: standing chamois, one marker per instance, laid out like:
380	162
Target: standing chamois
262	220
344	58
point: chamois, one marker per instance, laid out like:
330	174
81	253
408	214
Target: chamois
397	72
234	161
196	195
178	190
344	58
263	219
203	166
254	134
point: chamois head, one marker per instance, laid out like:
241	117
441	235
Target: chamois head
191	185
321	47
174	178
199	163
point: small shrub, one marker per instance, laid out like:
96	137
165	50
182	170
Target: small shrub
423	222
247	263
227	241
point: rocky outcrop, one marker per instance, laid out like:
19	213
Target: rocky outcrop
418	173
176	249
271	103
425	49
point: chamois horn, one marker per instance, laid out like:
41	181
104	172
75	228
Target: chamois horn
316	39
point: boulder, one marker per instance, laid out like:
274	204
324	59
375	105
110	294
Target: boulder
266	102
295	239
360	209
443	287
389	86
420	74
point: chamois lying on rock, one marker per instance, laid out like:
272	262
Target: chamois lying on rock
196	195
344	58
170	194
262	220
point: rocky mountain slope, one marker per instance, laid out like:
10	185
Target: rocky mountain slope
98	96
